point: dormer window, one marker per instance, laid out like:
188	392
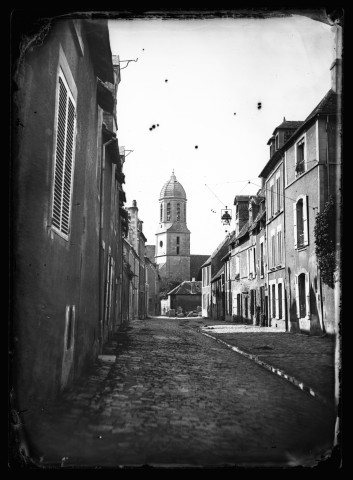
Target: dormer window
277	141
300	157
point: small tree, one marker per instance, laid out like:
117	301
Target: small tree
324	232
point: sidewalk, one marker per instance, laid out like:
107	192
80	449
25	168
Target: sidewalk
306	361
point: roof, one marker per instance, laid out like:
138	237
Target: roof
98	38
172	188
218	274
187	288
327	106
220	246
259	216
241	234
287	125
241	198
196	261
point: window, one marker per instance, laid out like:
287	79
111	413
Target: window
168	212
273	294
252	302
161	219
237	267
279	246
273	249
161	243
246	306
64	157
262	270
302	293
177	250
178	212
278	191
271	200
280	295
277	141
300	222
254	259
300	157
302	296
178	240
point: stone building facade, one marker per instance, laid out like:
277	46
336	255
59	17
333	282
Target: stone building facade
67	197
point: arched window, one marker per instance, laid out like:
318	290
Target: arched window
168	212
178	212
302	294
161	212
300	223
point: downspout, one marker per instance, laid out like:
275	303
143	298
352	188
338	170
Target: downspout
101	254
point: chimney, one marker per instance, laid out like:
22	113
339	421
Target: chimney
193	279
134	203
336	75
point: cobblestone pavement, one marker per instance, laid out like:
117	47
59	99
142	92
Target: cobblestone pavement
175	397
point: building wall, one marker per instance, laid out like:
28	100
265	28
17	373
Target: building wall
303	260
206	291
186	302
46	262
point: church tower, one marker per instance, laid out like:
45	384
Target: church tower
172	253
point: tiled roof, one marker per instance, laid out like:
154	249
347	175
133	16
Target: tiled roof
288	124
241	234
220	246
218	274
187	288
241	198
327	106
172	188
259	216
196	262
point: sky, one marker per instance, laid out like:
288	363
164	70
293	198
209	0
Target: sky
217	72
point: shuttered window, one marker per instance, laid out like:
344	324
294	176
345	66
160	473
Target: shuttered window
64	157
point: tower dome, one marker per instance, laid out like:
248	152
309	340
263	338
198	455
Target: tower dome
172	188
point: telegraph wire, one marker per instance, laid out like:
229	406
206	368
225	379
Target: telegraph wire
284	196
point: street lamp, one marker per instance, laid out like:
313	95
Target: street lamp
226	216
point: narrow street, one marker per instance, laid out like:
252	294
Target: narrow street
175	397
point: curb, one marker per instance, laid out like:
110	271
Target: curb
277	371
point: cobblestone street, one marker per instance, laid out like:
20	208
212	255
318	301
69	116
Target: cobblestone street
175	397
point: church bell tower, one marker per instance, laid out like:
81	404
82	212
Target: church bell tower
172	253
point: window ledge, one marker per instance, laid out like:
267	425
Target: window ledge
299	249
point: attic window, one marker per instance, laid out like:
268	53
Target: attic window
300	157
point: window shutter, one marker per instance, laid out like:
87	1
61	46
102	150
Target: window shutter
277	309
295	224
297	296
64	156
305	220
307	294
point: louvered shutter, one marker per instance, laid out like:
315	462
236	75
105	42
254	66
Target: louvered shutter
305	220
307	294
277	305
295	224
64	157
297	296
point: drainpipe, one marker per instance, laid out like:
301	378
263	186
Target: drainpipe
101	254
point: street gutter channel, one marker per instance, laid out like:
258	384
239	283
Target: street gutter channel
277	371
